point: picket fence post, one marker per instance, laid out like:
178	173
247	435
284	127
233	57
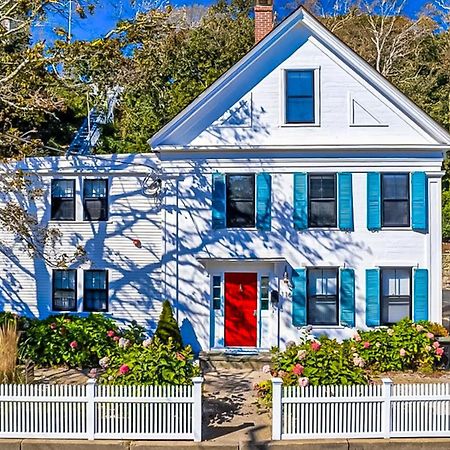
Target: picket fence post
197	408
386	416
90	409
276	408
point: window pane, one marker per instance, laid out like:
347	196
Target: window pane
322	186
322	213
95	279
396	282
264	293
64	279
395	309
63	188
64	290
95	209
95	296
241	201
64	301
300	83
95	188
240	187
396	213
322	281
395	186
322	312
96	301
217	291
300	109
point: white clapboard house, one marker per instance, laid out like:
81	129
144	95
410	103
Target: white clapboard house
301	188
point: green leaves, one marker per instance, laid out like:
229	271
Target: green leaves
48	342
155	364
405	346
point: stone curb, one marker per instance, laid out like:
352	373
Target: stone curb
338	444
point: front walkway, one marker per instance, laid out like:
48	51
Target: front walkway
230	412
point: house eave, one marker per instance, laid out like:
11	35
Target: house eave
297	148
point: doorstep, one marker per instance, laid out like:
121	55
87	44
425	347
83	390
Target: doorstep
217	359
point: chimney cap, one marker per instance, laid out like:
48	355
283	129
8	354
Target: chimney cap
264	2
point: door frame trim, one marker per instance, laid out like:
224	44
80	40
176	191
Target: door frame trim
217	317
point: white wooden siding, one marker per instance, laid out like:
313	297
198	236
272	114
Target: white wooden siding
261	89
188	228
134	273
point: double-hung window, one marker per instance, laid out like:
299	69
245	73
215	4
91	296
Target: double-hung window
395	200
63	200
322	200
395	294
300	99
240	195
95	296
323	298
64	296
95	199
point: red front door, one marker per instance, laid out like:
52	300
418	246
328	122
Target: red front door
240	309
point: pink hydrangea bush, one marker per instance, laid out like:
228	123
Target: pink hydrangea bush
324	361
71	340
404	346
149	362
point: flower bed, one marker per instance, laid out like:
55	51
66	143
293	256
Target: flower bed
323	361
72	340
121	356
151	362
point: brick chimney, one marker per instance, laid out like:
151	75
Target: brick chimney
263	19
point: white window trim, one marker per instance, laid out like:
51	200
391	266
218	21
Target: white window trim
79	199
80	294
317	96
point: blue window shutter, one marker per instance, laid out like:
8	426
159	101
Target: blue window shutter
345	201
372	297
347	297
263	201
373	201
218	201
300	201
419	201
299	297
420	294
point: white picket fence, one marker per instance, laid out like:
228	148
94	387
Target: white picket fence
92	411
375	411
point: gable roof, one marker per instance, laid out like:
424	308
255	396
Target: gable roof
358	64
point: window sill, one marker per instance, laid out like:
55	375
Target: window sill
300	125
329	327
56	221
239	229
396	228
80	313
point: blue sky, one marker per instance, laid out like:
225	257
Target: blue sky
108	12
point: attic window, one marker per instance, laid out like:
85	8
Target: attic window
300	100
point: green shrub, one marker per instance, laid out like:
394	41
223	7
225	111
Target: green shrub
168	327
405	346
70	340
151	362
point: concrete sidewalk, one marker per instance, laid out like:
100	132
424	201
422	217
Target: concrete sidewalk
344	444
